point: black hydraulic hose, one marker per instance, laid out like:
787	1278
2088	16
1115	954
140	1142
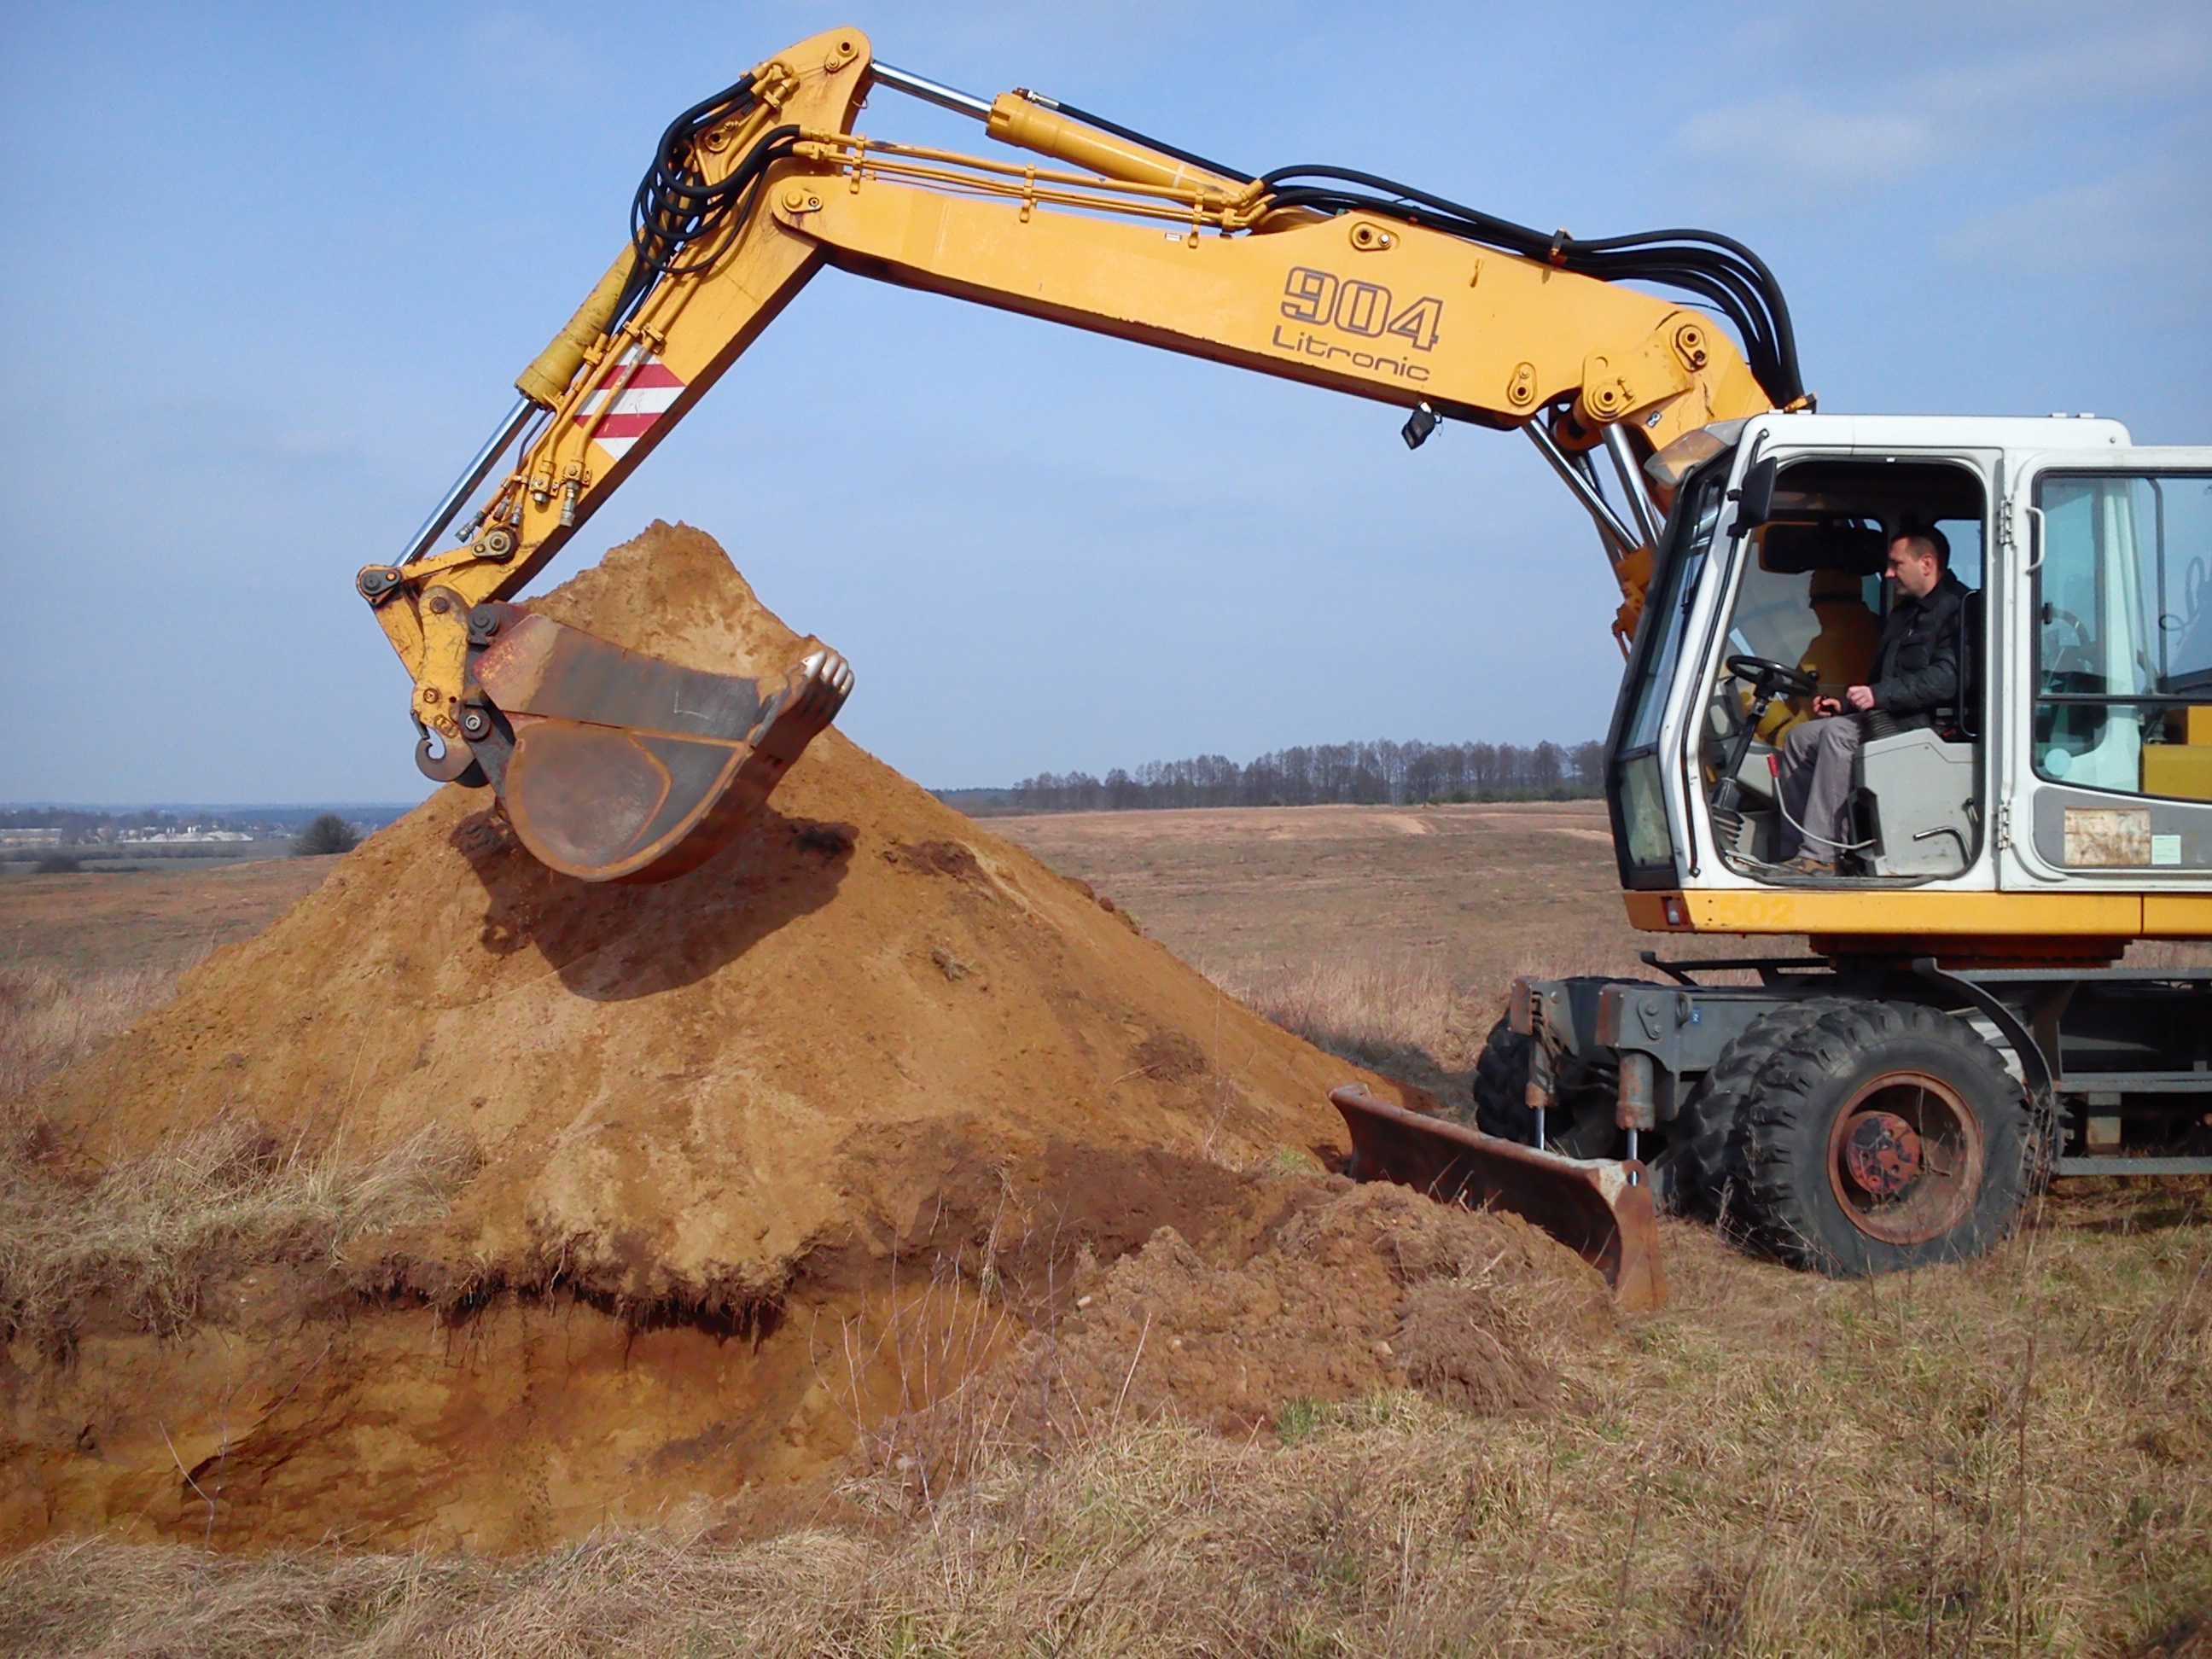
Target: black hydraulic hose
673	207
1519	237
1724	271
1770	288
1526	238
676	138
667	215
1727	287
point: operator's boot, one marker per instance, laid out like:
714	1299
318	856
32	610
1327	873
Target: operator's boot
615	766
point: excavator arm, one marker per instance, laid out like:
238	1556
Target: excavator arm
615	768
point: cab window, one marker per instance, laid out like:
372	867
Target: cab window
2123	633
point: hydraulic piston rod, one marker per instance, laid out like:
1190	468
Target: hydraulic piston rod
472	475
932	92
1632	482
1617	534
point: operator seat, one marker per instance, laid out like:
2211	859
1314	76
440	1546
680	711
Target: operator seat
1916	794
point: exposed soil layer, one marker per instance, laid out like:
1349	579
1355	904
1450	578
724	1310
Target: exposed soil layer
306	1414
729	1125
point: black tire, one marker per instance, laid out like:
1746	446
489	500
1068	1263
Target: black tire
1859	1069
1581	1128
1704	1170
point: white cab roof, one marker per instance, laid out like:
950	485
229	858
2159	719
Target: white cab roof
1893	432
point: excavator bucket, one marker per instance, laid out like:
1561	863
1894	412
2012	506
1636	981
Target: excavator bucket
1598	1208
618	767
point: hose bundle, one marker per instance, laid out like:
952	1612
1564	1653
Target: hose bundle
1718	269
676	208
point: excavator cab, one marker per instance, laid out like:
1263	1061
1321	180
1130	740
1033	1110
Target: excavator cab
1805	622
1771	592
1972	1017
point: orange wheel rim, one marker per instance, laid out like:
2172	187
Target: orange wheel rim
1905	1158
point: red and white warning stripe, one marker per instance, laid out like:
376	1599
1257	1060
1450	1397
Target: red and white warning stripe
643	389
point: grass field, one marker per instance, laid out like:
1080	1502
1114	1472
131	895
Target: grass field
2009	1456
1387	934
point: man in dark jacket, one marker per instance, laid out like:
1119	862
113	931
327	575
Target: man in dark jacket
1916	672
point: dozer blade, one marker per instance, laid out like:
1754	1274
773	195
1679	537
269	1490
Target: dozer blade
615	766
1590	1205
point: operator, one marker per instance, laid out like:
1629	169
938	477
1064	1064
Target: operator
1916	672
1841	654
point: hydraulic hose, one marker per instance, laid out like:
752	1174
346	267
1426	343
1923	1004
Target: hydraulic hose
1717	268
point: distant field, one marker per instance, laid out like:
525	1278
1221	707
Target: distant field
120	858
165	918
1476	888
1326	917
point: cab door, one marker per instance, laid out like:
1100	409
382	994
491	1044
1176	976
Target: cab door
2107	718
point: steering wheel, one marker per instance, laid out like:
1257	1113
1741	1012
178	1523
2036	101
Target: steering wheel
1768	678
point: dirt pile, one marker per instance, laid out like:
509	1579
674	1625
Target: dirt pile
863	1011
866	1040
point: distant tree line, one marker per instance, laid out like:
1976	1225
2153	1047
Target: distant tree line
1372	774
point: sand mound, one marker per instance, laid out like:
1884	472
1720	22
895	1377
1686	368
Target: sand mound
864	1010
867	1040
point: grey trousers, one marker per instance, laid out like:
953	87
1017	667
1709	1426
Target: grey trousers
1816	776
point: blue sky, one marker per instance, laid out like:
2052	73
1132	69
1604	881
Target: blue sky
270	272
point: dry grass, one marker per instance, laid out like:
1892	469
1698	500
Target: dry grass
50	1019
1398	1014
148	1238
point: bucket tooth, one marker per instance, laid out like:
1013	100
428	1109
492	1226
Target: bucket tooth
615	766
1599	1208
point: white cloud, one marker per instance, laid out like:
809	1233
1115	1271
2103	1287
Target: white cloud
1872	105
2154	216
1789	135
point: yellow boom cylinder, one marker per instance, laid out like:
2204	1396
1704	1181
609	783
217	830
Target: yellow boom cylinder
548	375
1015	120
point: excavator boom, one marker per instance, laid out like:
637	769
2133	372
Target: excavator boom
1310	274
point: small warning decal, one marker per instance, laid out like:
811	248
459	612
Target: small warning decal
638	392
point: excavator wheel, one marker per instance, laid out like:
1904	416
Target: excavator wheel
1882	1135
1580	1127
1701	1172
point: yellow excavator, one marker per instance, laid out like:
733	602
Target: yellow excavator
1964	1025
